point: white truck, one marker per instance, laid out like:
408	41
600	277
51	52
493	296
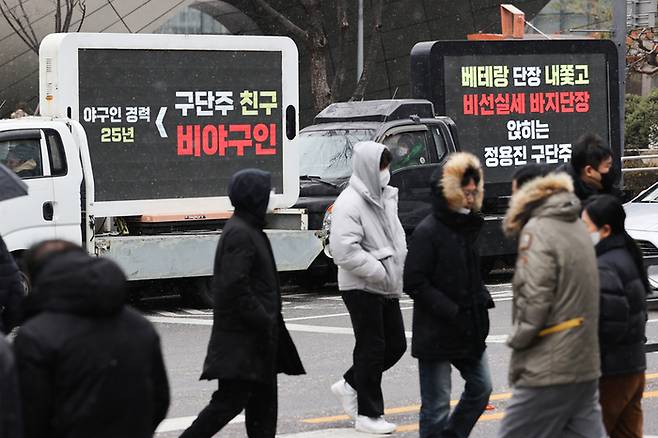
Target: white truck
138	138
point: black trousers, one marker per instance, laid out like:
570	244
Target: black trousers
380	343
258	400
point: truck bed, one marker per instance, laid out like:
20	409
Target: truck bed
192	254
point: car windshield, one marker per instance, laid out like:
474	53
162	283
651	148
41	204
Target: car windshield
327	154
650	196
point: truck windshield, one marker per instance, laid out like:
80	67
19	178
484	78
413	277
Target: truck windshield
327	154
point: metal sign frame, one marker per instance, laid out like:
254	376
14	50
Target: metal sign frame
428	81
59	97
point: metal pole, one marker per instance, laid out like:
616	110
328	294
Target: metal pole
619	37
359	49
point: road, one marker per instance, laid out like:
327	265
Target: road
321	329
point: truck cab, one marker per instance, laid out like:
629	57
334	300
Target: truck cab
44	153
420	142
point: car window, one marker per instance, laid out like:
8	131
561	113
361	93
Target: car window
408	148
327	154
56	153
440	142
23	157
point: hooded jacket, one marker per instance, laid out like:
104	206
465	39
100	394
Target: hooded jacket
623	318
88	365
555	312
11	290
367	239
249	340
442	271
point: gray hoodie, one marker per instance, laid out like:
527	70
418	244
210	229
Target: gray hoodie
367	240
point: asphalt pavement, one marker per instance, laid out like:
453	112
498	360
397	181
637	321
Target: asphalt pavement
321	328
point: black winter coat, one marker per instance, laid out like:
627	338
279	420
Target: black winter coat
88	365
442	275
623	311
11	290
11	424
249	339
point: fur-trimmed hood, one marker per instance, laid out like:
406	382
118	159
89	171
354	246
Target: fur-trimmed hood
450	180
551	195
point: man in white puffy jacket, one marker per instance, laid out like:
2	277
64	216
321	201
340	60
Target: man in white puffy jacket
368	245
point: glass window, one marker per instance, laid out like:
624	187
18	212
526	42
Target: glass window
56	152
23	157
193	21
439	141
408	148
328	154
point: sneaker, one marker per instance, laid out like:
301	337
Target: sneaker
347	397
376	425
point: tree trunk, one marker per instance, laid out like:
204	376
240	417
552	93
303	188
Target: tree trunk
373	50
319	81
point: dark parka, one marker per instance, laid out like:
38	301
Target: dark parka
11	424
249	340
623	311
11	290
88	365
442	272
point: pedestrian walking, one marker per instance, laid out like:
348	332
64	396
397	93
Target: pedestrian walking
591	168
12	291
249	343
623	318
89	366
11	295
368	245
450	318
554	368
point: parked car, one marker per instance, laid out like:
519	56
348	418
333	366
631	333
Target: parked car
642	225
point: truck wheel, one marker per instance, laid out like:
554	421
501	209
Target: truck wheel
199	293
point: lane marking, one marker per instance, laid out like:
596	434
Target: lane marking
182	423
321	329
411	409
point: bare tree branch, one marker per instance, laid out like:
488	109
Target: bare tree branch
58	16
373	49
16	26
285	22
19	20
83	12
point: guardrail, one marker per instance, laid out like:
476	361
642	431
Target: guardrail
639	158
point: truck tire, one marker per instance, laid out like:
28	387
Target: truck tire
198	293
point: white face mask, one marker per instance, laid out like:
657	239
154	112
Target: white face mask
270	203
596	237
463	210
384	177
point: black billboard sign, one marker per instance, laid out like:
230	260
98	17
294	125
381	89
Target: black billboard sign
165	124
520	102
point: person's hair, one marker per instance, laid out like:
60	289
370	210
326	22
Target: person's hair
527	173
386	159
37	256
589	150
470	174
608	210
